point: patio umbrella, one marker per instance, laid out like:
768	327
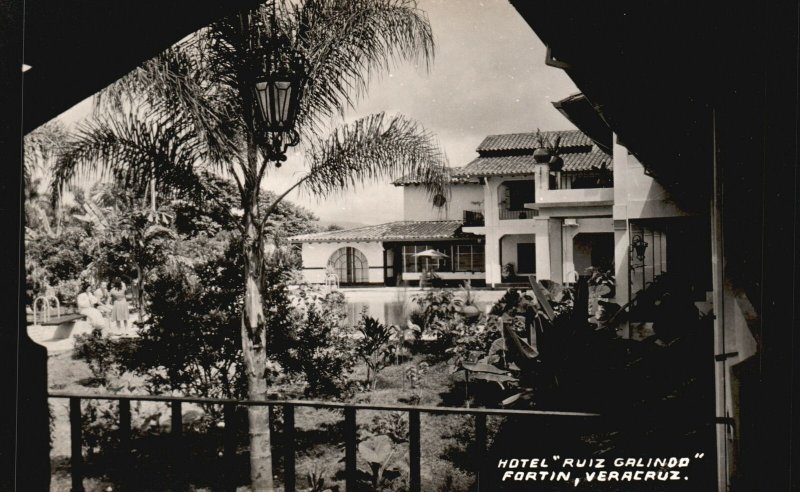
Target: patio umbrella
430	253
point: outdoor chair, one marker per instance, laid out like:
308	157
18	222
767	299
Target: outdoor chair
331	281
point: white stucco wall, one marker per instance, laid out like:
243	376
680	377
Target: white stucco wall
316	256
575	261
508	247
636	195
418	206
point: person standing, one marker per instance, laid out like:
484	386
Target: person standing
119	308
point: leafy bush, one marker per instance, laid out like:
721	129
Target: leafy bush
471	341
373	347
100	424
436	306
191	340
508	303
106	358
322	349
59	258
67	291
415	373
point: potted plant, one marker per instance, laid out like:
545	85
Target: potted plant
548	151
509	270
469	310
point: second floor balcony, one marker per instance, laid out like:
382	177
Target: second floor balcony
506	214
567	189
573	197
473	218
513	197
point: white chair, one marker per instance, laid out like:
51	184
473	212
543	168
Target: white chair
331	281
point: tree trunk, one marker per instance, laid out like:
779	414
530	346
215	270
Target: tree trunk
139	292
255	356
254	325
153	195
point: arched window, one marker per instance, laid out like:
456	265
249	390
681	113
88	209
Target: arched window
350	265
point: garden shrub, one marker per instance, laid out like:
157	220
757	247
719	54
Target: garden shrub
438	317
322	349
436	306
107	358
191	340
472	341
59	258
374	346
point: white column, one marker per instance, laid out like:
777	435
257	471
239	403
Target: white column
556	238
622	240
542	229
494	271
492	255
568	238
622	244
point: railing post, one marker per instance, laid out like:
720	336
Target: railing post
125	439
229	446
480	446
350	446
178	458
288	446
76	444
414	451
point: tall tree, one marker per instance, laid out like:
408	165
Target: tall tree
42	146
192	108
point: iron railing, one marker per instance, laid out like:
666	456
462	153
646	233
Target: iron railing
517	214
288	451
473	218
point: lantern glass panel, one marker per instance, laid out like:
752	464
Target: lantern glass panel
283	93
262	89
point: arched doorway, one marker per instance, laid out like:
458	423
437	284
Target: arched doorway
350	265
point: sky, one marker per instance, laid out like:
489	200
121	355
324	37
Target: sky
488	77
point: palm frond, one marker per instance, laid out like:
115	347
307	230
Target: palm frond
348	43
373	149
132	148
178	84
40	147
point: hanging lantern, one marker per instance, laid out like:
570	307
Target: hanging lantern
279	73
277	88
638	246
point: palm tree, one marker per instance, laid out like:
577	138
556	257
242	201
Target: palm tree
42	146
192	109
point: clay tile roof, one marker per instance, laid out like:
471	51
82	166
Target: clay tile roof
524	164
405	230
527	141
512	154
411	179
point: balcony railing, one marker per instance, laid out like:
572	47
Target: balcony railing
517	214
473	219
179	454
